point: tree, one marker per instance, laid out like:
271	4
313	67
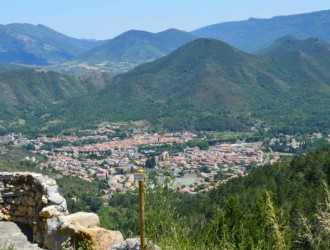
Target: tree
151	162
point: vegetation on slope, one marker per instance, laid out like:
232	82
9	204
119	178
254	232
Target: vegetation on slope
32	96
269	208
136	46
255	34
289	43
204	85
209	85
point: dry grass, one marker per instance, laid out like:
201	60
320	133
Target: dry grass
316	234
272	219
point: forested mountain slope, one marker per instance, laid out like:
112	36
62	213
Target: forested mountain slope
209	85
255	34
204	85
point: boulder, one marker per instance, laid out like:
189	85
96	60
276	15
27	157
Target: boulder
51	211
55	198
98	238
133	244
79	220
78	229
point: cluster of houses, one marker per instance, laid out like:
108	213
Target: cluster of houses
96	155
206	169
117	161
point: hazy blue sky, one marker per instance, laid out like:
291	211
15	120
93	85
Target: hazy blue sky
101	19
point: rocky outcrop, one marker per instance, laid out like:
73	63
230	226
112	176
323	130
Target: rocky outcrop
133	244
128	244
79	229
33	199
16	235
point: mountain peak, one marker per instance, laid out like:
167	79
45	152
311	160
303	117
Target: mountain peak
289	44
197	55
135	47
193	85
212	47
26	43
133	32
288	38
172	30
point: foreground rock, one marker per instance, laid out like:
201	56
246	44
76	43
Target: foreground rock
33	199
79	229
16	235
133	244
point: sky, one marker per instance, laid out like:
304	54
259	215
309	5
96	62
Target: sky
104	19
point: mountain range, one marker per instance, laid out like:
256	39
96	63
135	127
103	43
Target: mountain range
209	85
289	43
256	34
39	45
204	84
135	47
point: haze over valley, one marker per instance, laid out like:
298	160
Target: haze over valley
230	122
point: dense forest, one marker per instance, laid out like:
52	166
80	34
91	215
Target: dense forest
205	85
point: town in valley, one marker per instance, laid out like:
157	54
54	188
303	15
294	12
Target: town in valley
184	161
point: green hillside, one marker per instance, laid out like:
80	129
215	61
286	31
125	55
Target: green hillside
29	98
33	86
135	47
209	85
289	43
255	34
203	85
267	208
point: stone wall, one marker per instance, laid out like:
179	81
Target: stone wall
33	199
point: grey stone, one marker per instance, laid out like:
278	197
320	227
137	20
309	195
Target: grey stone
128	244
63	207
51	182
51	211
132	244
52	225
10	232
50	189
55	198
9	194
